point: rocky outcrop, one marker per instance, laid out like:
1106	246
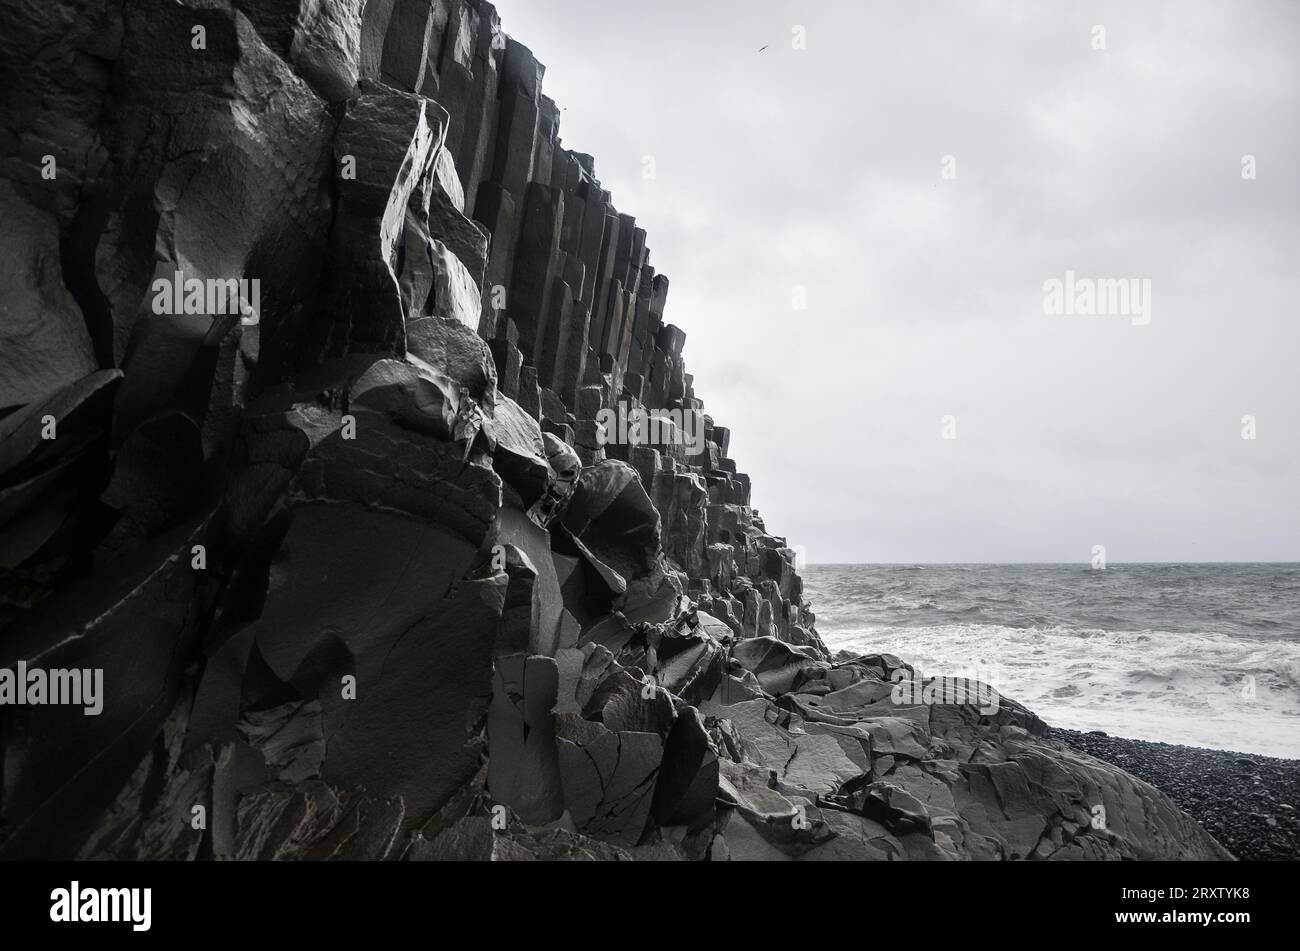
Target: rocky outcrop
318	350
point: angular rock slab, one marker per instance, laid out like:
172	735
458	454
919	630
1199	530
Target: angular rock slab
523	771
608	778
689	777
364	594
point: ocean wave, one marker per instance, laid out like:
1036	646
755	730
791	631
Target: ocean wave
1200	688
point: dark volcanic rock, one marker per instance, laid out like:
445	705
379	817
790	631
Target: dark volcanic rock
608	777
367	569
688	782
523	770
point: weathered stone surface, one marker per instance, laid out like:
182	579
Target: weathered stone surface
689	778
523	769
378	460
140	825
326	47
625	703
411	44
518	451
614	518
138	619
290	737
463	239
457	351
474	840
778	666
316	822
455	293
393	636
44	343
48	489
385	142
608	777
416	396
157	475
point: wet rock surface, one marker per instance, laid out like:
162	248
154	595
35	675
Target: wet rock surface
306	444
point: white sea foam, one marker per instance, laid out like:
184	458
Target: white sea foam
1174	687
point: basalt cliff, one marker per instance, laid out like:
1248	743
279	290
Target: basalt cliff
308	327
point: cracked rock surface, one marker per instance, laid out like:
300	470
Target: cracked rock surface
365	574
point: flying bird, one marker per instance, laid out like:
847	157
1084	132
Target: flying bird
761	48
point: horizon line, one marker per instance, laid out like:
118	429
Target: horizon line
895	564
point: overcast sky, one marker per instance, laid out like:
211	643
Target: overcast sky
823	168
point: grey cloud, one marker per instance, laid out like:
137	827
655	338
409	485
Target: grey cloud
821	168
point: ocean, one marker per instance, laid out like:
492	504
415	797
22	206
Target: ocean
1199	654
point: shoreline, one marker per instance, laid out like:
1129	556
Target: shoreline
1246	801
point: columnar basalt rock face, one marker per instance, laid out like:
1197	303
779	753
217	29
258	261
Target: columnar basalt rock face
363	569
